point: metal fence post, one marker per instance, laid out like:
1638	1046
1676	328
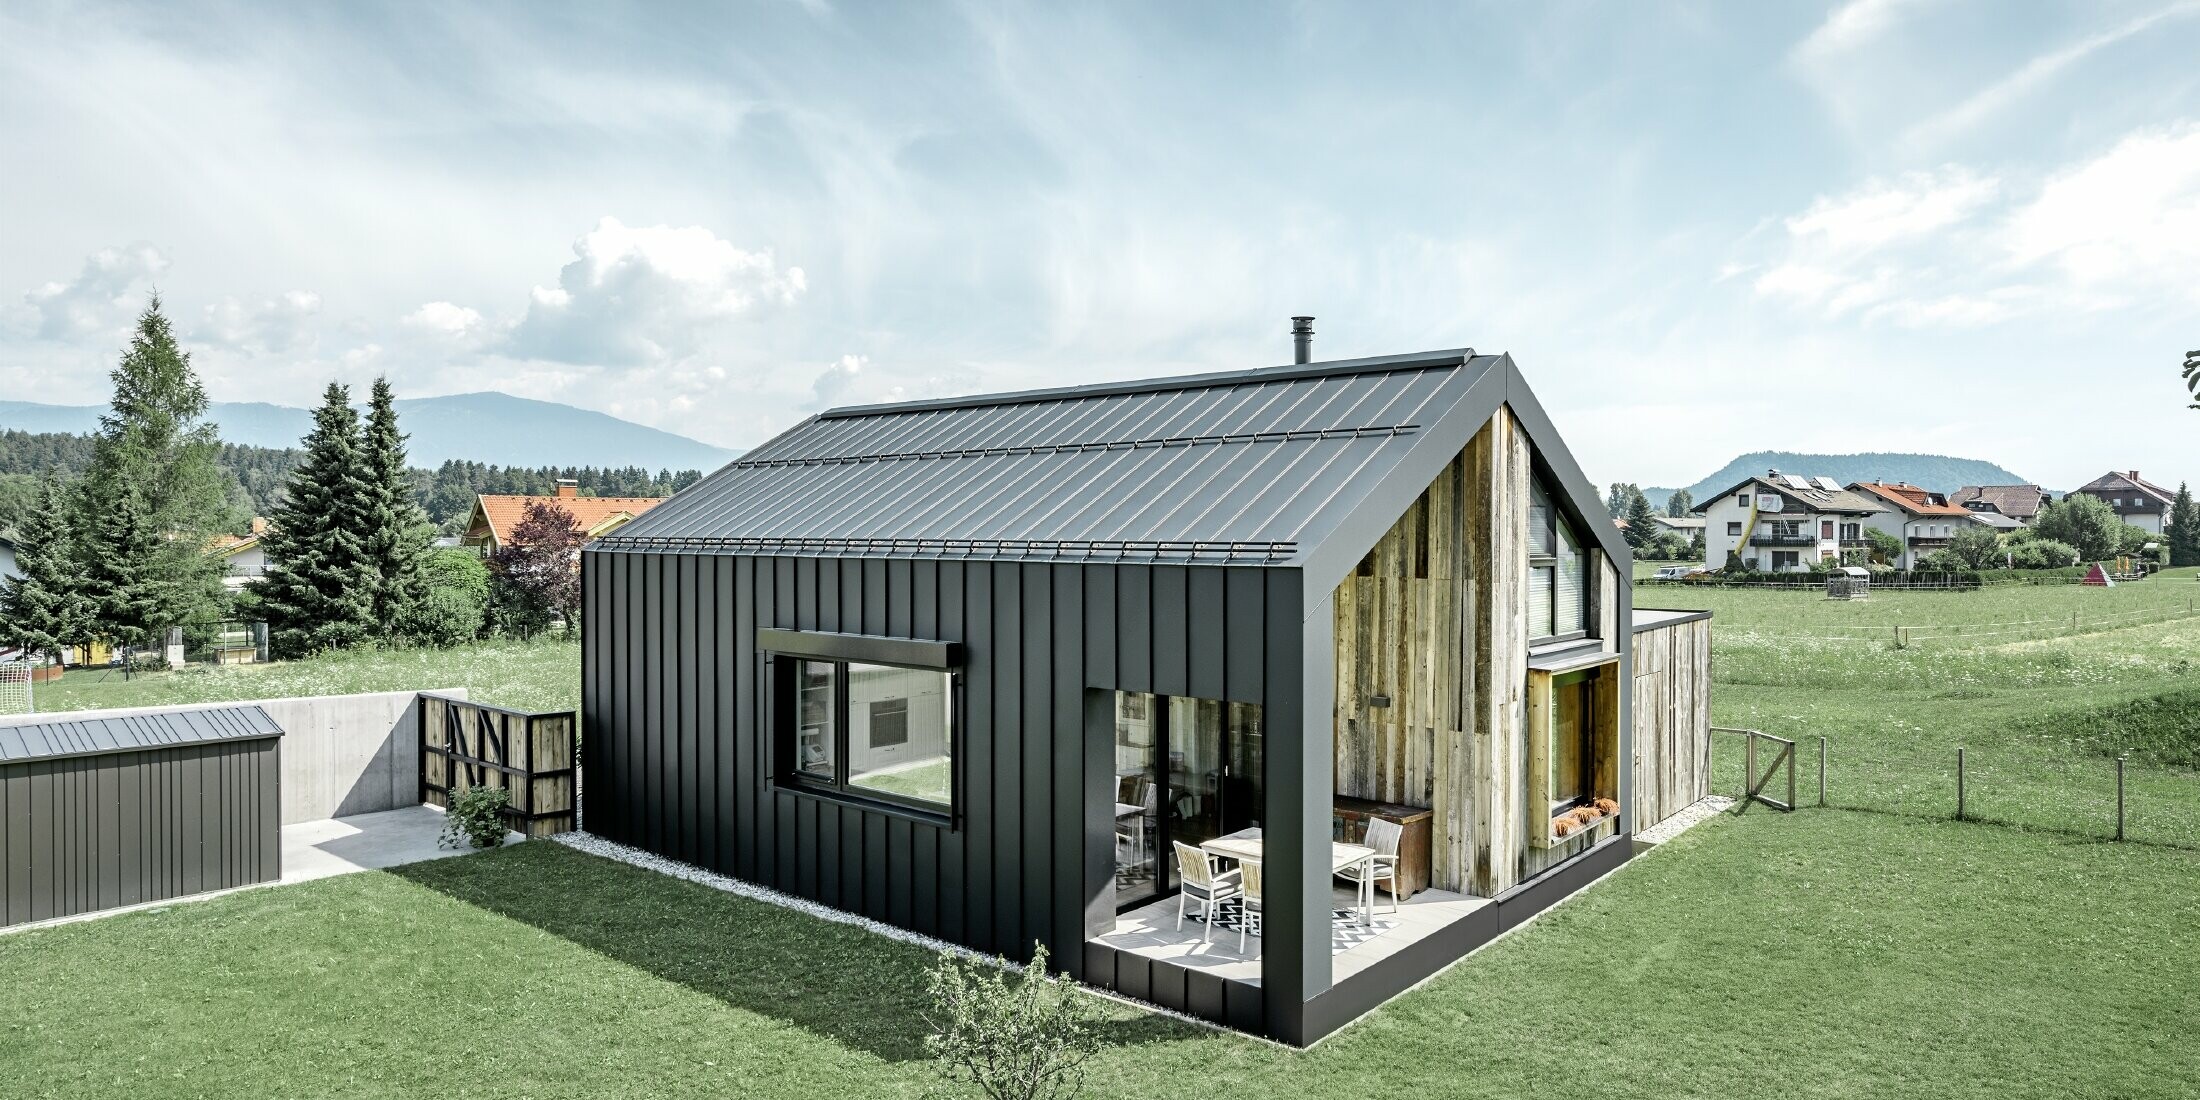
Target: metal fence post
1821	772
2120	795
1959	783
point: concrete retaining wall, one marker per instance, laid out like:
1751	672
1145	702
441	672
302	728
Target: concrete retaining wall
341	754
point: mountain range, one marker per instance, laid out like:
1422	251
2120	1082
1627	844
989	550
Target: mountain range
494	428
1939	473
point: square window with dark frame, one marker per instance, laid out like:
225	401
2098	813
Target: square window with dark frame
878	731
1558	576
1572	700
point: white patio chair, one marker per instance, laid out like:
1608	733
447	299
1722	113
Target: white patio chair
1203	884
1252	901
1383	836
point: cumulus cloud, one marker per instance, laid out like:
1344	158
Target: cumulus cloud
1956	249
647	294
2124	223
448	323
102	296
276	326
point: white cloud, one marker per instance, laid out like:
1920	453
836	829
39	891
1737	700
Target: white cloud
2034	75
647	294
1882	212
275	326
2123	224
1852	25
102	296
448	323
835	381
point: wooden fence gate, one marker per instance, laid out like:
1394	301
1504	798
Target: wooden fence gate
529	756
1754	782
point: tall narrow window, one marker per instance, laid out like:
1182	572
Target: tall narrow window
1558	575
1570	752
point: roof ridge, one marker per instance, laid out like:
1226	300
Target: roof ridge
1426	360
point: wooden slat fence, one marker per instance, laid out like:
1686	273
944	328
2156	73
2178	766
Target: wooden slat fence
530	756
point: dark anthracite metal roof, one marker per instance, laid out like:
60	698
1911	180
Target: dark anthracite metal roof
1238	467
55	738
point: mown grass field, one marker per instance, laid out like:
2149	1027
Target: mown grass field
544	674
1875	949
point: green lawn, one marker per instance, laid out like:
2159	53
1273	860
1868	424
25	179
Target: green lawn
1874	949
540	675
1758	956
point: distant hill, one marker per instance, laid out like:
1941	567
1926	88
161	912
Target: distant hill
1940	473
493	428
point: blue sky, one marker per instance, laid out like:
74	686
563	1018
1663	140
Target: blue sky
1967	228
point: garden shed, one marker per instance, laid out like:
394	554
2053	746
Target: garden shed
115	811
1035	666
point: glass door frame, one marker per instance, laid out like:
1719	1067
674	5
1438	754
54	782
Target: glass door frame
1163	841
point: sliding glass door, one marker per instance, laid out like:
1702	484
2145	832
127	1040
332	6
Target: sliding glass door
1187	771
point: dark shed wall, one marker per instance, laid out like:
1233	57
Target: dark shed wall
85	833
675	762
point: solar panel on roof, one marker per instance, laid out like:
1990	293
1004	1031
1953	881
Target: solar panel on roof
1828	484
1794	481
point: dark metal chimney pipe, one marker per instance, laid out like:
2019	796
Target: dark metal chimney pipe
1302	339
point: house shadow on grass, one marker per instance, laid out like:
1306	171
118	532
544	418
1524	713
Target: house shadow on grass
856	987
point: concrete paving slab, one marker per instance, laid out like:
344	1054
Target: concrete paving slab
366	842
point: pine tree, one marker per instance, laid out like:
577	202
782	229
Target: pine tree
2184	528
45	610
396	534
155	450
1642	523
318	590
132	602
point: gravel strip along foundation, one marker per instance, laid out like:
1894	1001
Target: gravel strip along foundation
1690	816
598	846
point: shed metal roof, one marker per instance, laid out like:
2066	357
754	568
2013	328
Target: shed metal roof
1247	466
59	738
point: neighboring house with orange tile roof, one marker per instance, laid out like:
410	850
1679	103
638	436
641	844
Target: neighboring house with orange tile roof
496	515
1921	518
2137	501
243	558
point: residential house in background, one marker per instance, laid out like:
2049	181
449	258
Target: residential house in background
495	515
2137	501
1005	668
2018	502
1921	518
1687	527
8	568
243	558
1784	523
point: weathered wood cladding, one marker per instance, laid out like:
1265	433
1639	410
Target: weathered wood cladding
677	760
1435	619
95	832
1672	753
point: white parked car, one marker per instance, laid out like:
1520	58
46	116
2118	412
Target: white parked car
1677	572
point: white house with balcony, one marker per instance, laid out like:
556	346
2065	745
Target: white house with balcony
1784	523
1921	518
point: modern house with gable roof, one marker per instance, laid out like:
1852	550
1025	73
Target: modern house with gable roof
1259	695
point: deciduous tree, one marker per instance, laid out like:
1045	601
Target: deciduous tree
1680	503
1977	547
536	573
2086	522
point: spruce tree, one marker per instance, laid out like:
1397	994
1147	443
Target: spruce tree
156	449
318	590
396	533
2184	528
132	601
1642	524
45	610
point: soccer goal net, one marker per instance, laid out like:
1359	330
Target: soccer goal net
15	687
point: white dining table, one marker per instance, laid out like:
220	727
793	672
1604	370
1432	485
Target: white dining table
1245	845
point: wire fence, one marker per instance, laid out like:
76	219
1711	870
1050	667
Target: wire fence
2056	626
2105	798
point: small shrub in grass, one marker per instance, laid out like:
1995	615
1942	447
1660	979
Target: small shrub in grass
1009	1036
475	818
